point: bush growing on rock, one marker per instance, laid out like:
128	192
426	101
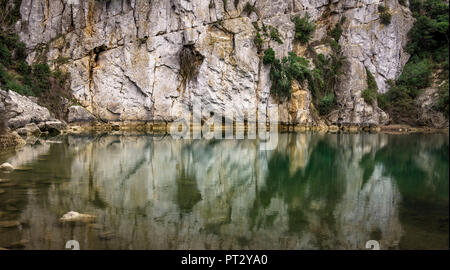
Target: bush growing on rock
304	28
283	72
275	35
370	94
326	104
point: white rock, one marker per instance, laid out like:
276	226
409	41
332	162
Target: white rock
6	167
77	217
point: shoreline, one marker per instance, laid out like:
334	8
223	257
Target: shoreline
164	128
12	140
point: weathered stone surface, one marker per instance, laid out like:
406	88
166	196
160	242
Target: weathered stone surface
428	116
124	55
22	110
79	114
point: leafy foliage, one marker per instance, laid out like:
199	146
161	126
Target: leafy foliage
249	8
269	56
283	72
275	35
326	103
428	46
370	94
385	14
304	28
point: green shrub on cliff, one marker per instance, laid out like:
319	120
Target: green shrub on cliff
326	104
283	72
304	28
371	92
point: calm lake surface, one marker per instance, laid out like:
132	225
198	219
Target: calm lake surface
330	191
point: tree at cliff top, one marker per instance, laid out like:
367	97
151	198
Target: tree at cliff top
429	47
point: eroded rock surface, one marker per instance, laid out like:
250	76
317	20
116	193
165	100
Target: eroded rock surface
124	55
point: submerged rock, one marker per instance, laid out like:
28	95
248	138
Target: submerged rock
2	191
6	167
107	235
19	244
75	217
9	224
95	226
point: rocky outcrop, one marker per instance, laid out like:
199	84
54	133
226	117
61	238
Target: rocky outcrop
26	116
427	113
125	65
29	129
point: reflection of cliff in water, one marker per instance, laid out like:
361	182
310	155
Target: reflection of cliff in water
315	191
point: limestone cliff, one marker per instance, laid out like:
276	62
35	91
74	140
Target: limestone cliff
124	55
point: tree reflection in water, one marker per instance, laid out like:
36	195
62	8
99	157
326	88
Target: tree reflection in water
315	191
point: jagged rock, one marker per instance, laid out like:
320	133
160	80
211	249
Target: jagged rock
23	110
75	217
79	114
6	167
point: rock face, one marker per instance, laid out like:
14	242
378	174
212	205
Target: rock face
124	55
78	114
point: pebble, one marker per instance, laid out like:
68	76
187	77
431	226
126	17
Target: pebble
2	191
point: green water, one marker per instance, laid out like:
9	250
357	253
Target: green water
313	192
